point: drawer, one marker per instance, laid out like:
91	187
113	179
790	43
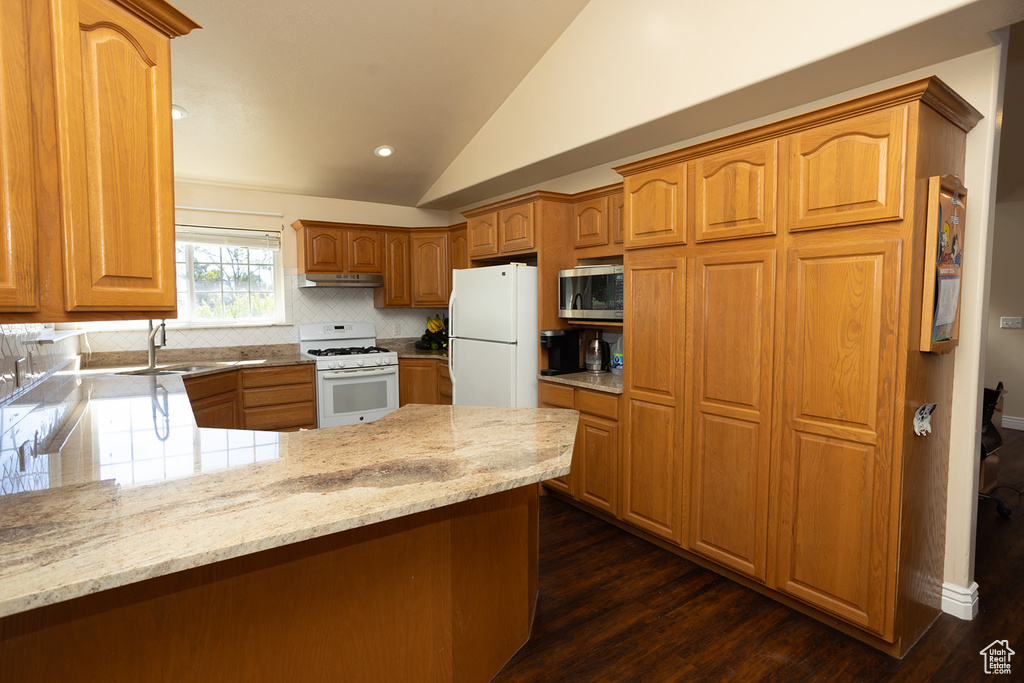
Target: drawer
269	377
557	395
599	403
280	417
272	396
442	370
205	386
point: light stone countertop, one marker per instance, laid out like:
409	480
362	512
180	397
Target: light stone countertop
131	489
600	381
405	347
216	359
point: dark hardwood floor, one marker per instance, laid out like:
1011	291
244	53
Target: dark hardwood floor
613	607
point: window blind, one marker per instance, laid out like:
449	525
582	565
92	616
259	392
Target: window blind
229	237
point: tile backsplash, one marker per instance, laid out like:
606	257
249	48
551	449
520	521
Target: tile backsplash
302	306
19	341
28	415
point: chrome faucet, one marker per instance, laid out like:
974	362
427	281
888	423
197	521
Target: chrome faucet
153	346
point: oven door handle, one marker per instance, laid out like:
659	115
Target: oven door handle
362	372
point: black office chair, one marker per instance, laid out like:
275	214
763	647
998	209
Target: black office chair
991	442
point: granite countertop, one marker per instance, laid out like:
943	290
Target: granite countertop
214	359
131	489
600	381
405	347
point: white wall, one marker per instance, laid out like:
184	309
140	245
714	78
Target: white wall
1004	361
235	207
623	74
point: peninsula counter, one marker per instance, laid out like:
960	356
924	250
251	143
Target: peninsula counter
405	548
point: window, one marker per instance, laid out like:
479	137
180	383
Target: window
228	275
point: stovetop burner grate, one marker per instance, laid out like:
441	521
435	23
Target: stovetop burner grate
348	351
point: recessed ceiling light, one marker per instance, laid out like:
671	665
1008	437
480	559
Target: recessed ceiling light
178	112
384	151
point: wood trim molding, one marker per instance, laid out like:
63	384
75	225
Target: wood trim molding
162	16
519	200
930	90
598	192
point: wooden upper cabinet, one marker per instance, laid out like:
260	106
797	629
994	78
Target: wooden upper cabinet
735	195
325	249
849	172
430	271
617	217
482	232
835	463
458	249
364	251
458	252
516	228
19	257
397	289
113	96
655	207
734	332
590	223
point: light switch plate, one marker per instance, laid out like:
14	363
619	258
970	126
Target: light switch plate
1010	323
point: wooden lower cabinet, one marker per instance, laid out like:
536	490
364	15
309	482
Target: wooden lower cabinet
444	384
424	380
733	368
214	400
835	465
281	398
561	396
594	476
652	457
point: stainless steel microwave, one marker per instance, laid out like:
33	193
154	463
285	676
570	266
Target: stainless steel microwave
591	293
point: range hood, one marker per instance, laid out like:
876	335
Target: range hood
340	280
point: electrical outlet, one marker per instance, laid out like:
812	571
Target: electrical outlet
1010	323
398	329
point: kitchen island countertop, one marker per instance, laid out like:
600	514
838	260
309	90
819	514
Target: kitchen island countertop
131	489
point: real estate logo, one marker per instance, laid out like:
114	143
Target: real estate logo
997	657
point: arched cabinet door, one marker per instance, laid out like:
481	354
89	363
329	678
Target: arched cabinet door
655	207
113	95
849	172
735	195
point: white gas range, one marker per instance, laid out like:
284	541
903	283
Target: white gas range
356	381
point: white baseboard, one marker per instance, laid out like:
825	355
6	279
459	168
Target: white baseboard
959	601
1013	422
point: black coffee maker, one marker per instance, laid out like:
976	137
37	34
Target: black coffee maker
563	351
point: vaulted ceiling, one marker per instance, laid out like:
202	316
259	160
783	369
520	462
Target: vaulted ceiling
294	96
484	97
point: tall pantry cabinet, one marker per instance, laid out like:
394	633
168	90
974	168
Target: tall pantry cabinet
774	286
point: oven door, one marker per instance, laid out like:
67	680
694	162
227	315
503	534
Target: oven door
348	397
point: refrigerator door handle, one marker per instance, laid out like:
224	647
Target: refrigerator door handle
451	334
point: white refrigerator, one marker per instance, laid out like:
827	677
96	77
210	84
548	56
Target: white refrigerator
493	340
